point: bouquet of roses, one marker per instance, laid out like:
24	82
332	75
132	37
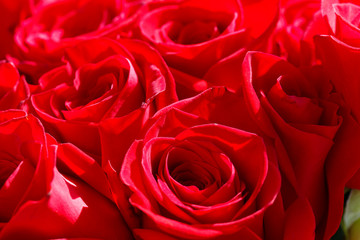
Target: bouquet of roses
180	119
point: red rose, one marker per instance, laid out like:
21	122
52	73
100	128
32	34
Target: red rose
339	50
341	16
102	79
55	25
39	202
304	113
200	40
204	169
11	14
14	90
340	61
292	38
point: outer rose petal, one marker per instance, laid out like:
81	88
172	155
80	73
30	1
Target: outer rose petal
340	60
117	131
11	14
65	206
341	166
70	210
291	38
76	163
13	88
343	20
300	222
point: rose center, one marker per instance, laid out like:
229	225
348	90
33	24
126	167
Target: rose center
192	176
192	33
292	104
186	25
97	82
192	167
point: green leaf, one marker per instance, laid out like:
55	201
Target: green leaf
351	218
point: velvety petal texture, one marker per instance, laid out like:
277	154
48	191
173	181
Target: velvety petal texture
343	20
340	60
12	13
339	51
52	26
14	90
101	79
305	115
197	173
298	23
38	201
263	143
202	40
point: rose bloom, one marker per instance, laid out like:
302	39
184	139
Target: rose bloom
101	79
11	14
204	169
339	50
292	38
37	201
202	40
304	110
14	90
54	25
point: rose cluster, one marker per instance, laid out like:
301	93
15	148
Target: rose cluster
180	119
